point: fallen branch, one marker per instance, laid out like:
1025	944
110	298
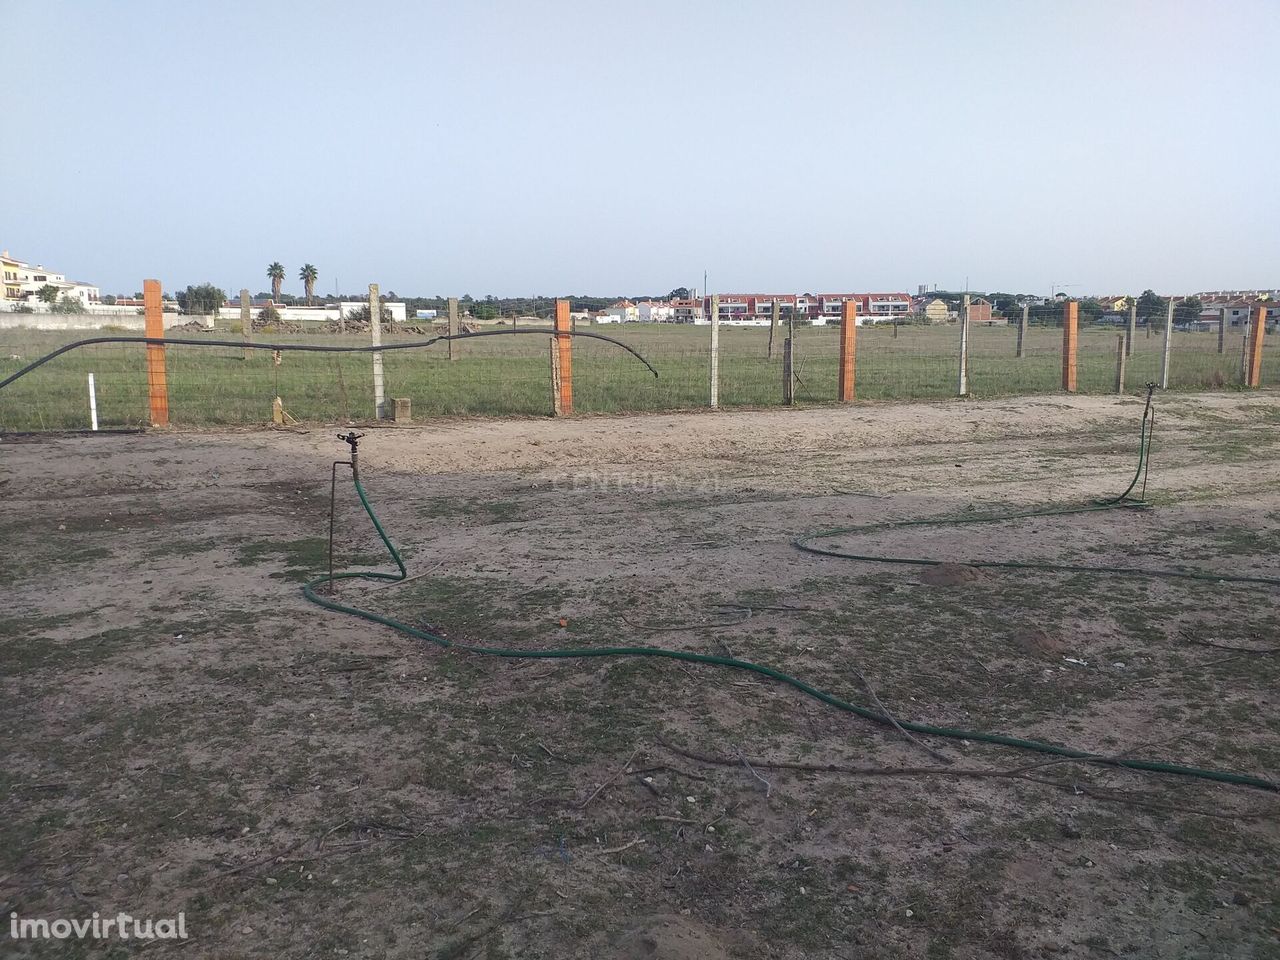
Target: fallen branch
941	758
625	846
596	792
1227	646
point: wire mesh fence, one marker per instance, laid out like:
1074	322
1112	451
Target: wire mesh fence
511	375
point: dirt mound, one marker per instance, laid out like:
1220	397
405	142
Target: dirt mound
191	326
1036	642
951	575
669	937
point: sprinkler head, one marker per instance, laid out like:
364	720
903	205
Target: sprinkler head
351	438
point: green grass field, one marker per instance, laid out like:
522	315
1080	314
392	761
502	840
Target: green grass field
510	376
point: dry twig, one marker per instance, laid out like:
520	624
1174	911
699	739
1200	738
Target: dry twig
596	792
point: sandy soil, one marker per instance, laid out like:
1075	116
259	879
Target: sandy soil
185	732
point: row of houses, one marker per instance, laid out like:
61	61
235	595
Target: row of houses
757	309
1235	308
23	283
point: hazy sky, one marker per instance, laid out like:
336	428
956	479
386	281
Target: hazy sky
601	147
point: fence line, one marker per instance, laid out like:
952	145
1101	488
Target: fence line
1046	350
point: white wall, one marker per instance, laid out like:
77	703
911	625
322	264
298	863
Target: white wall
128	319
317	314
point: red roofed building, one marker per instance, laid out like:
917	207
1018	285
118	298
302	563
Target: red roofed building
817	308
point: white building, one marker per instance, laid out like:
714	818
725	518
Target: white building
624	311
652	311
23	283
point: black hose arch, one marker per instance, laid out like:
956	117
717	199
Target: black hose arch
314	347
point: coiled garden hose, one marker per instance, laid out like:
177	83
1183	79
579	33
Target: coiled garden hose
312	588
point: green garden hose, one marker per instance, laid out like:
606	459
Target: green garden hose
1123	501
310	591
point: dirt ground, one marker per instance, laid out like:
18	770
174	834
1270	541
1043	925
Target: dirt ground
184	732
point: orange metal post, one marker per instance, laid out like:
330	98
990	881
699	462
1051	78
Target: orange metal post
564	348
157	384
1070	340
848	348
1253	371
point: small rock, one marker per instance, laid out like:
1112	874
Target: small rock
1240	898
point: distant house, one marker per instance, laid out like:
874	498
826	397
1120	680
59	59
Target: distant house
883	306
937	311
1237	312
1114	304
653	311
688	311
624	311
980	312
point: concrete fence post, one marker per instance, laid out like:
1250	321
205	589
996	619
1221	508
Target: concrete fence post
1022	331
556	409
848	349
246	310
375	335
1168	346
1132	330
246	320
715	352
962	382
157	382
1070	344
1256	333
453	327
774	312
788	379
564	357
1120	357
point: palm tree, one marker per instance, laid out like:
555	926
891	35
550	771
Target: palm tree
276	273
308	275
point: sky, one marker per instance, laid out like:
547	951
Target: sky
557	147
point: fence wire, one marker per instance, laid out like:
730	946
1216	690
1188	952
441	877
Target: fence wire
225	386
